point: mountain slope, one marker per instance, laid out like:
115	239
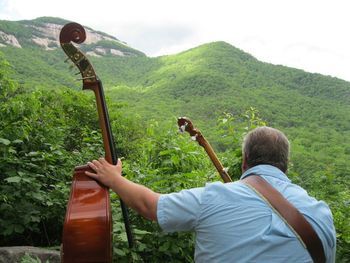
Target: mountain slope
200	83
204	82
225	78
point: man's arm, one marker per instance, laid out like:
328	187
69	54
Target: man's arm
140	198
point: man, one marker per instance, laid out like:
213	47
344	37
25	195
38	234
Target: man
232	222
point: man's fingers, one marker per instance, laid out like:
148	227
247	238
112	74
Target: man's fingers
102	160
93	165
92	175
97	164
119	163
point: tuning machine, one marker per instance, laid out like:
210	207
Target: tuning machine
182	128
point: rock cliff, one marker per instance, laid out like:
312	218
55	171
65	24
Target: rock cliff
44	33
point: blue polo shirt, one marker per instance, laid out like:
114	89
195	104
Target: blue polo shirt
233	224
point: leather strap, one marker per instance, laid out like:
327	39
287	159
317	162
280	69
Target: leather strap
297	222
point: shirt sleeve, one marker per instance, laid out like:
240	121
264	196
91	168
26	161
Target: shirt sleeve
179	211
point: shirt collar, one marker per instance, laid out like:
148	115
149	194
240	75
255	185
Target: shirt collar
266	170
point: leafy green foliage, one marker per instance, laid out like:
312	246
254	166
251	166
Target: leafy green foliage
170	162
10	27
29	259
46	64
43	135
35	160
46	19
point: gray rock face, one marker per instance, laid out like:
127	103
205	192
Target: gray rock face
45	35
14	254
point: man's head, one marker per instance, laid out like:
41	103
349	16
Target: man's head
265	145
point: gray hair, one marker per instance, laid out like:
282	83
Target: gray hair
266	145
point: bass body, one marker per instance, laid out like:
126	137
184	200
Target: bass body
88	222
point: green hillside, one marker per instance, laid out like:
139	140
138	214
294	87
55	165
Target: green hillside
204	82
225	92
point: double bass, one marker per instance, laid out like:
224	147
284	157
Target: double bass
87	230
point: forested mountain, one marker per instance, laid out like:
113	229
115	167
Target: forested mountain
215	85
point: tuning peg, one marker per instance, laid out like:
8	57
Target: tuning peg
182	128
194	137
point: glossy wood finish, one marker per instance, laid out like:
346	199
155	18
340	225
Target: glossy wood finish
88	223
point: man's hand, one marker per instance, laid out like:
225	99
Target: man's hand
105	172
136	196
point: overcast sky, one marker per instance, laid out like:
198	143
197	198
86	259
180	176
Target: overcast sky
313	35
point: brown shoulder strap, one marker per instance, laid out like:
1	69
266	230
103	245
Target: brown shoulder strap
291	215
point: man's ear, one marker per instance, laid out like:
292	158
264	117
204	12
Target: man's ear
244	163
